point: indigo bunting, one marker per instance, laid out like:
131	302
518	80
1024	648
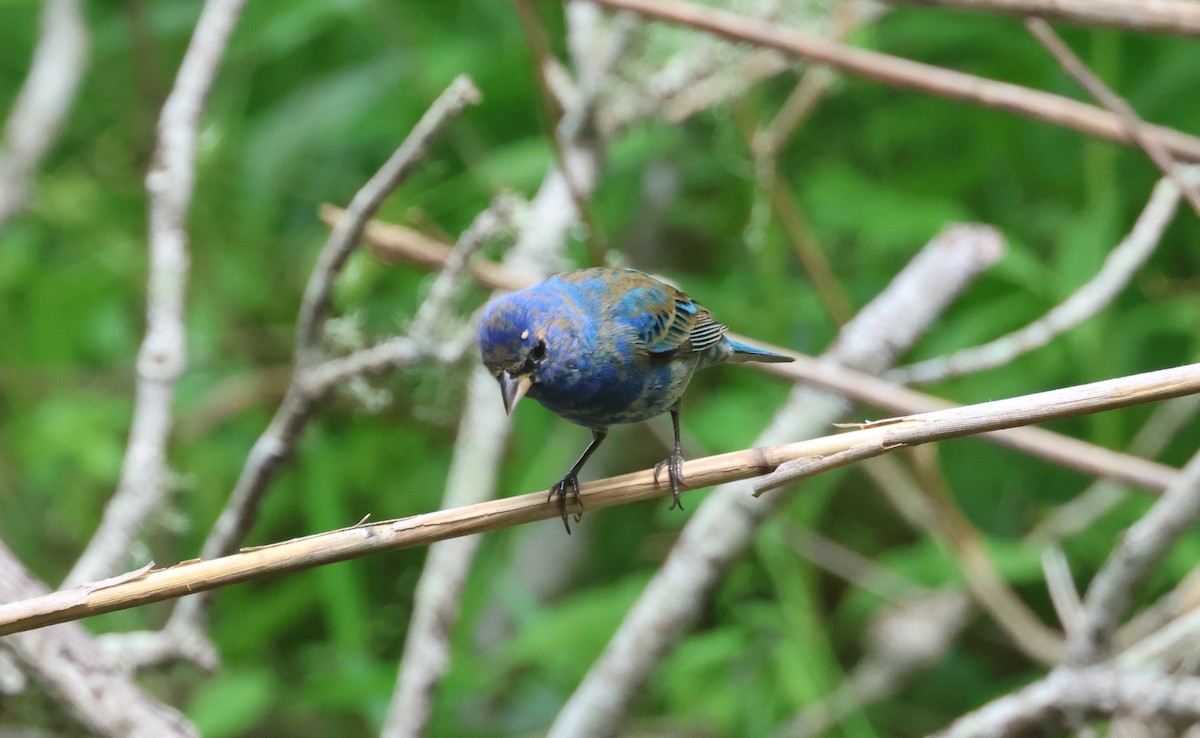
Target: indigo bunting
604	346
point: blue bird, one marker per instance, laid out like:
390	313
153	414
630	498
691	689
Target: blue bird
604	346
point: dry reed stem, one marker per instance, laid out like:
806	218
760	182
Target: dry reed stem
198	575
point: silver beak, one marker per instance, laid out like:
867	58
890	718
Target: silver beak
513	389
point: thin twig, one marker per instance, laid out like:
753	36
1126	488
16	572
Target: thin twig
1164	635
1116	272
1075	67
809	91
695	77
46	96
317	293
722	85
829	288
853	567
1102	495
901	641
539	44
1061	585
945	522
431	318
1068	697
909	74
392	243
1042	407
1178	17
1182	600
1139	549
162	356
816	81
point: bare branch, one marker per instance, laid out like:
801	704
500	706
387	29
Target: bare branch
1068	698
162	356
346	234
1061	586
945	523
905	73
431	317
45	98
1139	549
1178	17
394	243
1165	635
1075	67
70	665
853	567
901	641
829	289
715	89
1104	494
1118	269
1042	407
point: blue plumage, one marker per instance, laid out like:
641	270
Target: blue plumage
604	346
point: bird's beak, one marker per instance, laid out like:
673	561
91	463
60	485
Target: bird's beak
513	389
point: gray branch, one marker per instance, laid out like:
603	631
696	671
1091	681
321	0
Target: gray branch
1141	547
37	116
1068	699
348	232
1180	17
1118	269
68	663
162	356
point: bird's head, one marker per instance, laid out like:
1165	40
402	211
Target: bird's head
512	340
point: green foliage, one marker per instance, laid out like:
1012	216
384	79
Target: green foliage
309	102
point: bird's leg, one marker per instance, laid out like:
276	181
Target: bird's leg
572	480
674	462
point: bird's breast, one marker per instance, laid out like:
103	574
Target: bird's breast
598	393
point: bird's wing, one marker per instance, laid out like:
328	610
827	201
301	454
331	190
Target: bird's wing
668	321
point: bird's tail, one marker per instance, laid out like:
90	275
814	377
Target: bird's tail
746	352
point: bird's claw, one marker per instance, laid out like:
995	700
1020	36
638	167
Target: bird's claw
560	489
674	466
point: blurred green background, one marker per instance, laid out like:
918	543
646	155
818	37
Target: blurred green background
310	100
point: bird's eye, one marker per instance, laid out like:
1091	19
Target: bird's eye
539	351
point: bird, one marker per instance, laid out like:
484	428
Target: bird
604	346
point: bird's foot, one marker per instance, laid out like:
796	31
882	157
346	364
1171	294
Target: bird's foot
674	466
560	489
